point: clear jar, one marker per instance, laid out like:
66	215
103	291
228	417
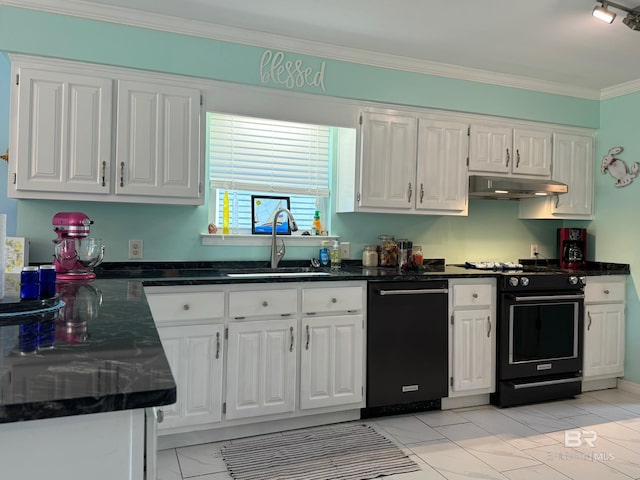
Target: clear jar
387	251
370	256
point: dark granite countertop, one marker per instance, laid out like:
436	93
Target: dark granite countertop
100	352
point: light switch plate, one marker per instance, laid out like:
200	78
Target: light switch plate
345	250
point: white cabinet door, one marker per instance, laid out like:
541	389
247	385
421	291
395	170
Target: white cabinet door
388	166
573	165
195	354
490	149
158	132
604	340
441	179
472	343
532	150
261	368
63	129
331	365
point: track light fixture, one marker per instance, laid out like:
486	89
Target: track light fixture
602	12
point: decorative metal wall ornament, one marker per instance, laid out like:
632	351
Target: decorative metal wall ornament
618	169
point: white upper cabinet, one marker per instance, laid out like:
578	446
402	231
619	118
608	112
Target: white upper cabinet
441	171
407	164
64	122
61	131
502	149
388	161
573	165
156	153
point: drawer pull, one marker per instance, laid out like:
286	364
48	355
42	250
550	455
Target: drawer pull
160	414
334	300
265	304
186	306
606	292
217	344
122	174
291	333
475	295
490	327
104	173
306	347
589	325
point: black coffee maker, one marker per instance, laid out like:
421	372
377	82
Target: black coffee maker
572	247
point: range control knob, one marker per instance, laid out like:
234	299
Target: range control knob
573	280
513	281
524	281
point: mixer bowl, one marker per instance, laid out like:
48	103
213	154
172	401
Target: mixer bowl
90	251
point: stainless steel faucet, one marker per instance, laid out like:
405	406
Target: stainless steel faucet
278	253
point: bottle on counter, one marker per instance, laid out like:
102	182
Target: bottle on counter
404	248
29	284
317	224
324	254
416	254
334	255
370	256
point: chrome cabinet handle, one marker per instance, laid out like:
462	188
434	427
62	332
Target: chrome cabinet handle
557	200
606	292
186	307
517	158
217	344
122	174
589	325
410	193
291	333
334	300
508	158
104	173
421	192
308	339
160	414
265	304
475	295
490	327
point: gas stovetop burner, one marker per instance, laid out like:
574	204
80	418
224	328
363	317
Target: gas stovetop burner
493	265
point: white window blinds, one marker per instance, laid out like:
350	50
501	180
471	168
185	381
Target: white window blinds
268	156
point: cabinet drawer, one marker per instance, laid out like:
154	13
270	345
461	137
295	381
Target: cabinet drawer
466	295
604	291
316	300
263	302
171	307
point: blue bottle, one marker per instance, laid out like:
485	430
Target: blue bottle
324	254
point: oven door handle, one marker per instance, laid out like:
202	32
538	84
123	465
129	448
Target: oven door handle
417	291
518	386
533	298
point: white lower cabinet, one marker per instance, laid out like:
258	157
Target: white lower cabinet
261	368
472	336
604	327
195	354
331	365
245	354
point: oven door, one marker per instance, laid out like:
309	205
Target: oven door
540	334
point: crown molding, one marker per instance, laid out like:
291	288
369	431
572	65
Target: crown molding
136	18
622	89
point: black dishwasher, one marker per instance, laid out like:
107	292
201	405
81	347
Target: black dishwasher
407	346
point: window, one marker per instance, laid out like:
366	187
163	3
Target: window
257	156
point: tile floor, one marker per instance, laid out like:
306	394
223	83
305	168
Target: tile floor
518	443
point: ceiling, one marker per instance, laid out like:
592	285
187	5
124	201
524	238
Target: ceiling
550	40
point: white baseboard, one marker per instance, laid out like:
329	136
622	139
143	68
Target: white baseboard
599	384
462	402
628	386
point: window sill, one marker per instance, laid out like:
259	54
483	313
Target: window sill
259	240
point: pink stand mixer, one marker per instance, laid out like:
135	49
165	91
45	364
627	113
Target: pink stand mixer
75	253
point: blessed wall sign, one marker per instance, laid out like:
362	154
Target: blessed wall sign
276	67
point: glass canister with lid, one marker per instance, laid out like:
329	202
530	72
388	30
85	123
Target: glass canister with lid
370	256
387	251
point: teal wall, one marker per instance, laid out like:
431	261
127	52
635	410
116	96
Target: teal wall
616	227
8	206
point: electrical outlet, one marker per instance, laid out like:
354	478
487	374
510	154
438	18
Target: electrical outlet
534	249
345	250
135	249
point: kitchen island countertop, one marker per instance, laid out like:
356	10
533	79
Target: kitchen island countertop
103	354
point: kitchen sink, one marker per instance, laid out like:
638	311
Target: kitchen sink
276	272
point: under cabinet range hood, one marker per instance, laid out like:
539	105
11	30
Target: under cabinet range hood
510	188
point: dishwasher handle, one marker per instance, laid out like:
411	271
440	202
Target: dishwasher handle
417	291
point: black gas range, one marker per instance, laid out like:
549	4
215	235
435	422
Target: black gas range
539	334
